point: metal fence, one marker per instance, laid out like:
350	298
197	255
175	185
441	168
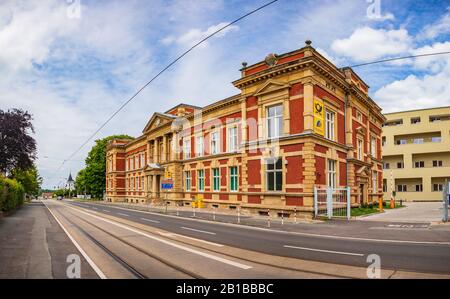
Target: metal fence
332	202
445	201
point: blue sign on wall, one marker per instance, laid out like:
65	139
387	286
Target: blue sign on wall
166	186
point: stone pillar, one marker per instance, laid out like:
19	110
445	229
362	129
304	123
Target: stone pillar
308	107
154	187
244	123
164	153
309	172
155	151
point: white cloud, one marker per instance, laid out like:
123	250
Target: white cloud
441	26
195	35
430	90
366	44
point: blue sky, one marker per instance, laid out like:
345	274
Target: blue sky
72	71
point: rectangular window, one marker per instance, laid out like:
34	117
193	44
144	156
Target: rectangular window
400	165
187	148
418	140
142	160
331	173
373	146
329	124
436	139
216	179
415	120
419	164
419	188
232	139
437	163
386	166
201	180
401	188
360	149
187	180
215	142
275	121
359	116
383	141
234	178
274	174
437	187
374	182
199	146
384	186
400	141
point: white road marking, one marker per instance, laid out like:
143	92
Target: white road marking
204	254
94	208
294	233
322	250
105	211
83	253
123	214
197	230
190	238
150	220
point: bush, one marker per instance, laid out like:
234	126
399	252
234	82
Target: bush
12	194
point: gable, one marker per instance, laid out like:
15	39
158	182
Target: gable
271	86
156	121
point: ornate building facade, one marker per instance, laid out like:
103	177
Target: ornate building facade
297	123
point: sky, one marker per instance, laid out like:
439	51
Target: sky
72	63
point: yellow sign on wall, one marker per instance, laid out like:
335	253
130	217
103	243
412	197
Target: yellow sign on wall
319	112
168	173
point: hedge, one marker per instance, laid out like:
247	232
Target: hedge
12	194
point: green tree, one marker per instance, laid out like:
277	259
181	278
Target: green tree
80	182
29	179
95	171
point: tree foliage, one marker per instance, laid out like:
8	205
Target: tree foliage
29	179
94	175
17	147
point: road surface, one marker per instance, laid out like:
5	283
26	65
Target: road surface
125	243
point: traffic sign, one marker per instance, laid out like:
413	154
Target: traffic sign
167	184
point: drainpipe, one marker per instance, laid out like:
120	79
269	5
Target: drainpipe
345	136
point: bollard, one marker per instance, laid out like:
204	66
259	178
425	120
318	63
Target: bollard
295	215
193	211
238	215
166	207
268	218
282	217
177	211
214	214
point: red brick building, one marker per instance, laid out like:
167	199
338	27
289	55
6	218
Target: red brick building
297	122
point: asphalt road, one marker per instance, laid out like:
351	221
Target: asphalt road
400	255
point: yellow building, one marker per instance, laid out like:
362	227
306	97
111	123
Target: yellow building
416	154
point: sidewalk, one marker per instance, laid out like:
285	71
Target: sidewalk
33	245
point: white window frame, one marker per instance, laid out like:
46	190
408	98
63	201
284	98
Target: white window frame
373	146
199	146
232	143
187	180
232	176
214	177
374	181
274	171
200	178
277	120
215	142
330	124
331	173
360	144
187	147
142	160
